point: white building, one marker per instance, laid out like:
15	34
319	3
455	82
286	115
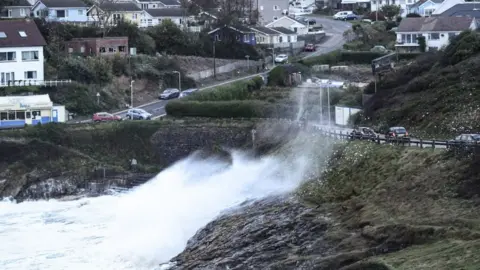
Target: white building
378	4
290	23
18	111
436	30
21	53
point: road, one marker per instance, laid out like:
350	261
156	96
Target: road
334	31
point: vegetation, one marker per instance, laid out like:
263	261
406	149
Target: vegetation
346	57
435	95
364	36
418	202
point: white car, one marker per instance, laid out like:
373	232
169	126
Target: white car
281	58
342	15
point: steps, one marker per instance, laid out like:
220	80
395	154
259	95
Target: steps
137	180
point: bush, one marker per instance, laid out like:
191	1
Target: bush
218	109
235	91
352	57
87	70
461	47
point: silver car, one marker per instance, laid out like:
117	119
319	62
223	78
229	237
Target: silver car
138	114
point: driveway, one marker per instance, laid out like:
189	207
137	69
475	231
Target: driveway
334	31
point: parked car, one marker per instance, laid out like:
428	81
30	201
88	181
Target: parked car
465	139
187	92
105	117
281	58
310	47
138	114
169	93
341	15
397	134
363	133
351	17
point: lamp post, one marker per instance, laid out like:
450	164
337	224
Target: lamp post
321	104
328	98
273	55
131	93
179	79
248	61
98	98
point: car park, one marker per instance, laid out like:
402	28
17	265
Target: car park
187	92
105	117
138	114
169	93
310	47
281	58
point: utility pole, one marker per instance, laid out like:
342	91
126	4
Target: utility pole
179	79
321	104
214	62
131	93
98	98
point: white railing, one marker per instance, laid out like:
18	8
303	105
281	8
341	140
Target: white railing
35	83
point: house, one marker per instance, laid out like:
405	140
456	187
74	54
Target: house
16	9
61	10
404	4
21	52
425	7
270	10
177	15
286	35
106	46
290	23
153	4
110	13
436	30
462	9
446	5
239	33
265	35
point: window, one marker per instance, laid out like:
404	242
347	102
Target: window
30	56
30	74
21	115
111	50
80	12
22	33
82	49
9	13
102	50
6	77
276	7
122	48
28	115
61	14
3	35
134	16
245	38
434	36
70	50
8	56
451	35
3	116
35	114
11	115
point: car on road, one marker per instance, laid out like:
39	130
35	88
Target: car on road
397	134
341	15
169	93
138	114
351	17
281	58
363	133
310	47
187	92
105	117
464	140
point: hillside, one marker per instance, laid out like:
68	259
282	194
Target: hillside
416	211
434	96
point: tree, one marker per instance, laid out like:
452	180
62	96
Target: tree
390	11
103	12
422	43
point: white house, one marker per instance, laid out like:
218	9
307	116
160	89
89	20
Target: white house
436	30
276	36
21	53
177	15
404	4
153	4
290	23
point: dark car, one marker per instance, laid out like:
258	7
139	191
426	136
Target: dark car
465	140
169	93
363	133
310	47
351	17
397	134
105	117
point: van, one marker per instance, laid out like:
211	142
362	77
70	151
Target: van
341	15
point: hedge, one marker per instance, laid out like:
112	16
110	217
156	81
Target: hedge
236	91
219	109
336	57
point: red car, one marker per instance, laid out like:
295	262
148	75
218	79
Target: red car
105	117
310	48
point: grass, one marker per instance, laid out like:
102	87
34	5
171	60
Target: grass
412	200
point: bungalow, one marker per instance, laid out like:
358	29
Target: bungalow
265	35
110	13
238	32
290	23
425	7
436	30
176	15
61	10
15	9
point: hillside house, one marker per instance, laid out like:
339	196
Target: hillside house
73	11
291	24
16	9
425	7
107	46
239	33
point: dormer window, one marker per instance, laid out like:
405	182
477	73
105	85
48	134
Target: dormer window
22	33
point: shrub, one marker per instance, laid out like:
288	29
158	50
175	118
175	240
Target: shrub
87	70
218	109
235	91
461	47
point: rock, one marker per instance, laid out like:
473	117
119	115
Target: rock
49	188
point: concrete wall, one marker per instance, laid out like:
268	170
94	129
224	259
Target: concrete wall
240	64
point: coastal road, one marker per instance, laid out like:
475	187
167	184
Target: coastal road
334	31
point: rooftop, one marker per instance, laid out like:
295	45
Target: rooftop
434	24
20	33
17	3
167	12
63	3
465	9
35	99
264	30
123	6
283	30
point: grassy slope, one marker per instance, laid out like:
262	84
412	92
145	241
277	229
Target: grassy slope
424	194
435	95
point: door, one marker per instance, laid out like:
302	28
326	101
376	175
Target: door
55	116
28	117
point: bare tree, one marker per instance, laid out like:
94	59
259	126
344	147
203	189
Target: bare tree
102	12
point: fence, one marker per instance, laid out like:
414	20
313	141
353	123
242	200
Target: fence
224	69
102	179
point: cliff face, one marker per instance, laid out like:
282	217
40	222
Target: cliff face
375	207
